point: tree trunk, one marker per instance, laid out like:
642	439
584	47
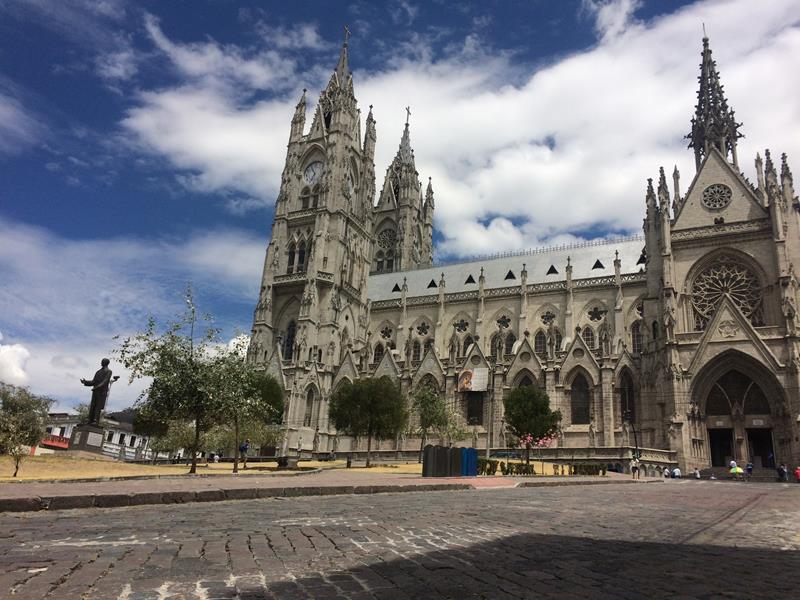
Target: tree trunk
193	468
527	454
422	444
17	460
369	448
236	443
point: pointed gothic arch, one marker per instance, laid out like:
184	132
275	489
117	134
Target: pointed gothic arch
580	400
468	341
509	342
540	343
626	391
378	353
311	396
523	378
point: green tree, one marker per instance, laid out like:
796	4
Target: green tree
243	395
23	418
370	407
453	428
432	412
171	437
177	361
528	416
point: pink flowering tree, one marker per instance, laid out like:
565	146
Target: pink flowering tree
529	418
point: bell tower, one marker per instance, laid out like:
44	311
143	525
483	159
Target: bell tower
313	300
403	221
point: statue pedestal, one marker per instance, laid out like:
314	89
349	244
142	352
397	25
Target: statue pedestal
88	438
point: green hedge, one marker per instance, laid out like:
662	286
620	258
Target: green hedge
487	467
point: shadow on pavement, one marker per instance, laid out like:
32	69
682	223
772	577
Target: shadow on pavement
542	566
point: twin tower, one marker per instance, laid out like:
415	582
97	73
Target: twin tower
328	236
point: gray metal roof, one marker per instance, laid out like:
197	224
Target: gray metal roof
583	257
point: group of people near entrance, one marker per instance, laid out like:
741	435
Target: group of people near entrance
735	470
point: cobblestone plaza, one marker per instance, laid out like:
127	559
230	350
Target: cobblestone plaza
672	539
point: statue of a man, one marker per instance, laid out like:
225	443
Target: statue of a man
100	384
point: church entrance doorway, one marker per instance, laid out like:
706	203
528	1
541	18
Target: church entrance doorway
759	443
739	420
720	442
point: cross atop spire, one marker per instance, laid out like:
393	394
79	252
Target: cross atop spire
342	69
408	114
713	124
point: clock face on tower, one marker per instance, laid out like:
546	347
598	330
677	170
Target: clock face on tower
313	172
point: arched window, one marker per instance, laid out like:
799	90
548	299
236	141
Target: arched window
755	402
655	330
559	339
304	196
290	263
627	405
510	340
579	400
389	261
416	350
493	346
717	403
588	336
310	396
540	343
301	257
288	342
379	261
467	343
636	337
378	353
525	381
428	345
315	197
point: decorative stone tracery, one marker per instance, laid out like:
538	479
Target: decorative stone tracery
726	277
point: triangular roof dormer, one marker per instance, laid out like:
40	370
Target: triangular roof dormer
742	204
729	329
274	367
387	366
475	352
347	370
430	364
575	359
524	358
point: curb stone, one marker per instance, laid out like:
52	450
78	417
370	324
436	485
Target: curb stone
36	503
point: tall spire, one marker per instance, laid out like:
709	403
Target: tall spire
713	124
342	69
405	153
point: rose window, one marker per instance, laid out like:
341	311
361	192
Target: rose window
387	238
716	196
722	278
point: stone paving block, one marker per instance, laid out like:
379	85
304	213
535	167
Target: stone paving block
20	504
112	500
69	502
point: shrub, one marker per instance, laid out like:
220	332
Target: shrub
491	467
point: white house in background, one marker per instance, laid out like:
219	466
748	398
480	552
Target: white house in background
119	440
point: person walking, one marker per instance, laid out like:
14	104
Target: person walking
676	472
696	473
667	473
748	468
243	452
635	468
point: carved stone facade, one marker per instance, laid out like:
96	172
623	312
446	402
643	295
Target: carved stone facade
681	340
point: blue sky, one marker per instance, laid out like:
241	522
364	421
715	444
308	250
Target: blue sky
141	143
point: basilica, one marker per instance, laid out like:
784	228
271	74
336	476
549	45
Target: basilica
681	342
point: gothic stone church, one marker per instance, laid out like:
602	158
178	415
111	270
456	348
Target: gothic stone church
687	335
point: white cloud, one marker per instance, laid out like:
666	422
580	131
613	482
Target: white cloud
63	300
612	17
299	36
19	129
13	358
221	66
505	147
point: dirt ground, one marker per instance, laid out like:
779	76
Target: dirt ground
72	467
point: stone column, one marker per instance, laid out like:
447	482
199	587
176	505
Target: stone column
607	400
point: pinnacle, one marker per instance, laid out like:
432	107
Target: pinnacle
786	173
